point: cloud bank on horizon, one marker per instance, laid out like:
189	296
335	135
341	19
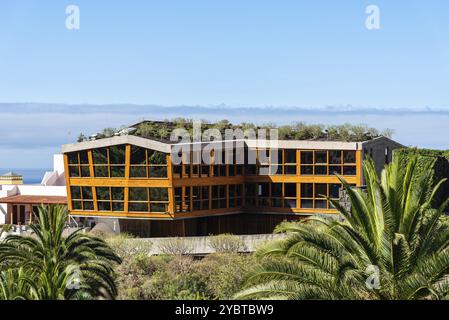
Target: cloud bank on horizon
32	133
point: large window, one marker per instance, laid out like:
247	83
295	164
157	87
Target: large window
219	197
147	163
78	164
110	199
275	195
235	195
328	162
154	200
82	198
109	162
314	195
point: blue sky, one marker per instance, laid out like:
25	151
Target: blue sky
306	54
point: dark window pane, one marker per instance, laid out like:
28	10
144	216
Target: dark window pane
307	170
321	170
306	203
158	207
214	192
117	154
73	158
100	156
196	205
349	156
87	193
156	157
76	205
290	203
138	194
177	171
223	170
335	170
84	159
349	170
75	192
290	189
138	207
231	170
138	155
118	206
277	202
306	157
306	190
159	194
104	206
117	171
205	170
290	156
101	171
290	170
205	205
74	171
85	172
320	157
232	190
250	169
320	190
118	193
276	189
103	193
320	204
157	172
205	192
335	157
250	190
88	205
334	191
138	172
222	191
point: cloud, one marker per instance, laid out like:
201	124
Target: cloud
30	132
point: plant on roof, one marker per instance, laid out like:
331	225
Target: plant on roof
393	244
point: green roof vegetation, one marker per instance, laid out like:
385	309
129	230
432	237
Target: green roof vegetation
161	130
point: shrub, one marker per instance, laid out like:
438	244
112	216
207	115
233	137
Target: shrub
227	243
176	246
217	276
126	246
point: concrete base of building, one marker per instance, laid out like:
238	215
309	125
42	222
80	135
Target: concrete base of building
239	224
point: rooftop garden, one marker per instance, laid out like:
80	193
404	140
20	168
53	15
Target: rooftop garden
161	130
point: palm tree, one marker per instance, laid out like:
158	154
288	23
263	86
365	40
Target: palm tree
51	266
391	244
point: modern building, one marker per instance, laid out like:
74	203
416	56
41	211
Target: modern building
19	202
132	180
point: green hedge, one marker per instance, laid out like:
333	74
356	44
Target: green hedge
439	160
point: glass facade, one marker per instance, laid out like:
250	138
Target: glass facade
128	180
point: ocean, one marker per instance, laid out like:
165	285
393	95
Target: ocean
30	176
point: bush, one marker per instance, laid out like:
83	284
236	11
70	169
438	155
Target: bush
6	227
176	246
227	243
126	246
217	276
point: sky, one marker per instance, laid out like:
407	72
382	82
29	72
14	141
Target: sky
218	54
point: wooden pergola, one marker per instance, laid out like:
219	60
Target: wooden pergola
23	208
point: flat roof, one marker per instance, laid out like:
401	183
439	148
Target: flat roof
282	144
23	199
